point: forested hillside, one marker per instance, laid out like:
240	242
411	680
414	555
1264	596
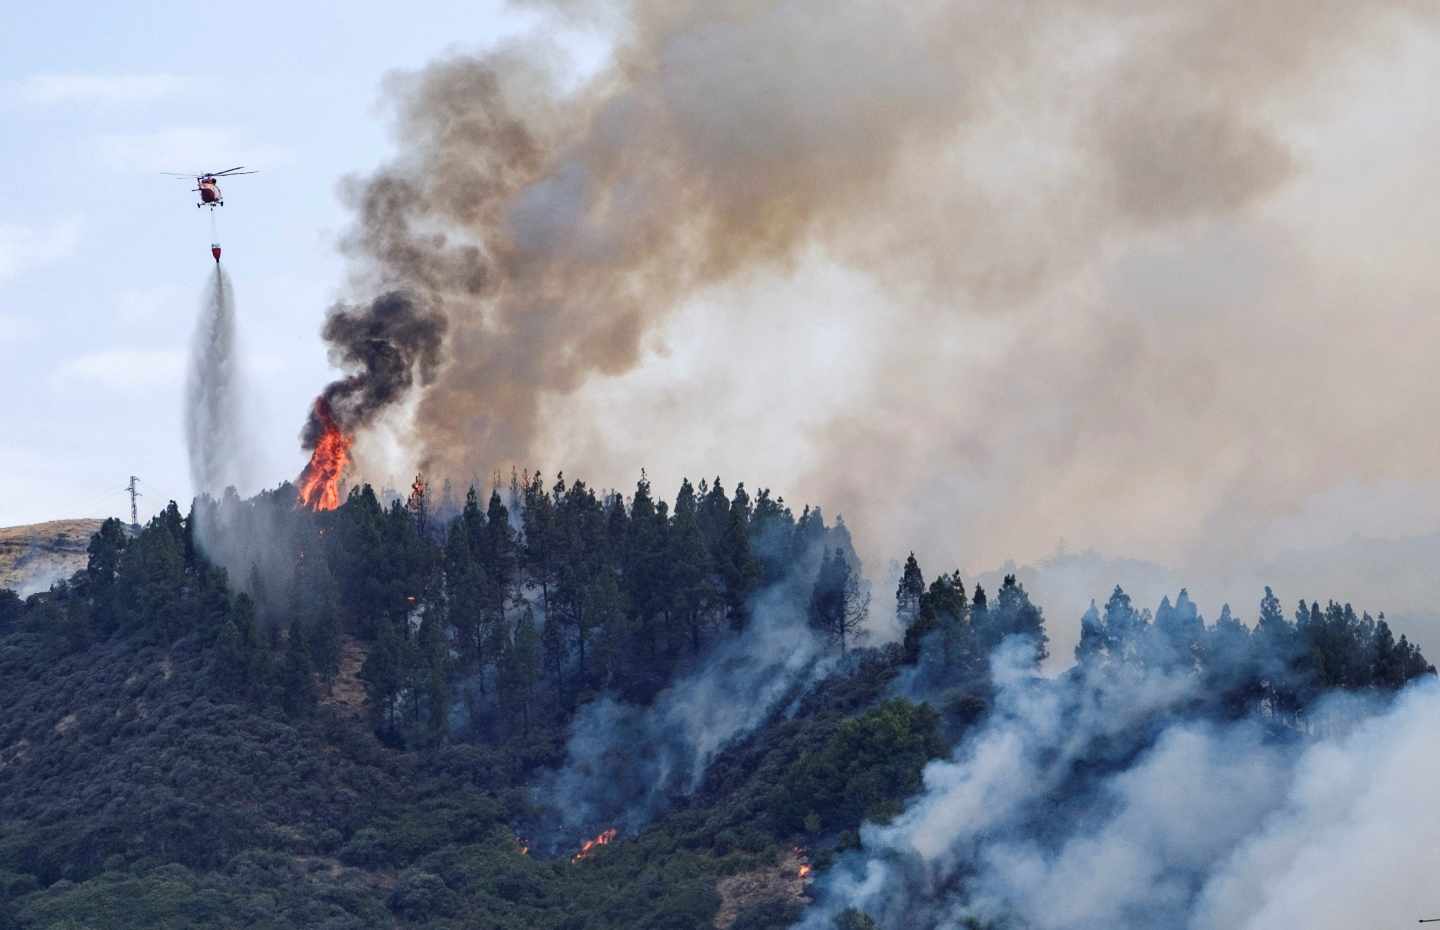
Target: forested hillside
546	708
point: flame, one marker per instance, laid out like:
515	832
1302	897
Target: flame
320	481
804	870
589	846
418	489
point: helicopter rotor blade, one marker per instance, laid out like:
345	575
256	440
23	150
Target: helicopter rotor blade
217	174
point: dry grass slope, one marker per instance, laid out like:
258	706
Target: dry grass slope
785	882
35	556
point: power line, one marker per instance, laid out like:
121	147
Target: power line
134	493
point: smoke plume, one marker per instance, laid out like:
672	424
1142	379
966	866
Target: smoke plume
1095	801
988	255
386	346
215	433
1082	239
625	764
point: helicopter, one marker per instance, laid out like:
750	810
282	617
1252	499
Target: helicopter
208	186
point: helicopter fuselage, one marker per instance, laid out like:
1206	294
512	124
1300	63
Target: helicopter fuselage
209	190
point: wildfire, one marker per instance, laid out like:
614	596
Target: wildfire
589	846
320	481
804	870
802	858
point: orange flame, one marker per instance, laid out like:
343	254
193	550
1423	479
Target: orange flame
320	481
589	846
804	870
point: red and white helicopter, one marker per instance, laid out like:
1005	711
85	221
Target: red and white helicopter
207	185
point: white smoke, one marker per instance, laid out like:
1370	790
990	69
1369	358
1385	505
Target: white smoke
1088	803
624	762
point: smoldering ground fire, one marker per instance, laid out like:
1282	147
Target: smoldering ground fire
604	838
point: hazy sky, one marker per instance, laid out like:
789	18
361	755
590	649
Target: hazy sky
1156	278
103	260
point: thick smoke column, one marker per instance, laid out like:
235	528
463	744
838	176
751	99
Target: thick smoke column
1110	194
386	346
214	428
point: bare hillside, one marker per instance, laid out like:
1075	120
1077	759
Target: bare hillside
35	556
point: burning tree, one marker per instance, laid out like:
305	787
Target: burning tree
329	459
388	346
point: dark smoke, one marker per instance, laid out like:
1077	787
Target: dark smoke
386	346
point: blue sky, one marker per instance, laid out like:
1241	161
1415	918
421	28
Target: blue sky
103	259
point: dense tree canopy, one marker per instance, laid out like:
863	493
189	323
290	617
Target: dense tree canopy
342	729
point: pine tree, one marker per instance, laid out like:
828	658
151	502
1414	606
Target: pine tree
645	567
296	681
433	658
739	572
105	551
1177	634
325	648
1230	675
499	556
909	592
1388	669
383	674
552	644
1275	649
1091	646
839	603
689	566
538	518
467	599
772	527
259	593
1125	628
713	514
151	577
1016	615
522	669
